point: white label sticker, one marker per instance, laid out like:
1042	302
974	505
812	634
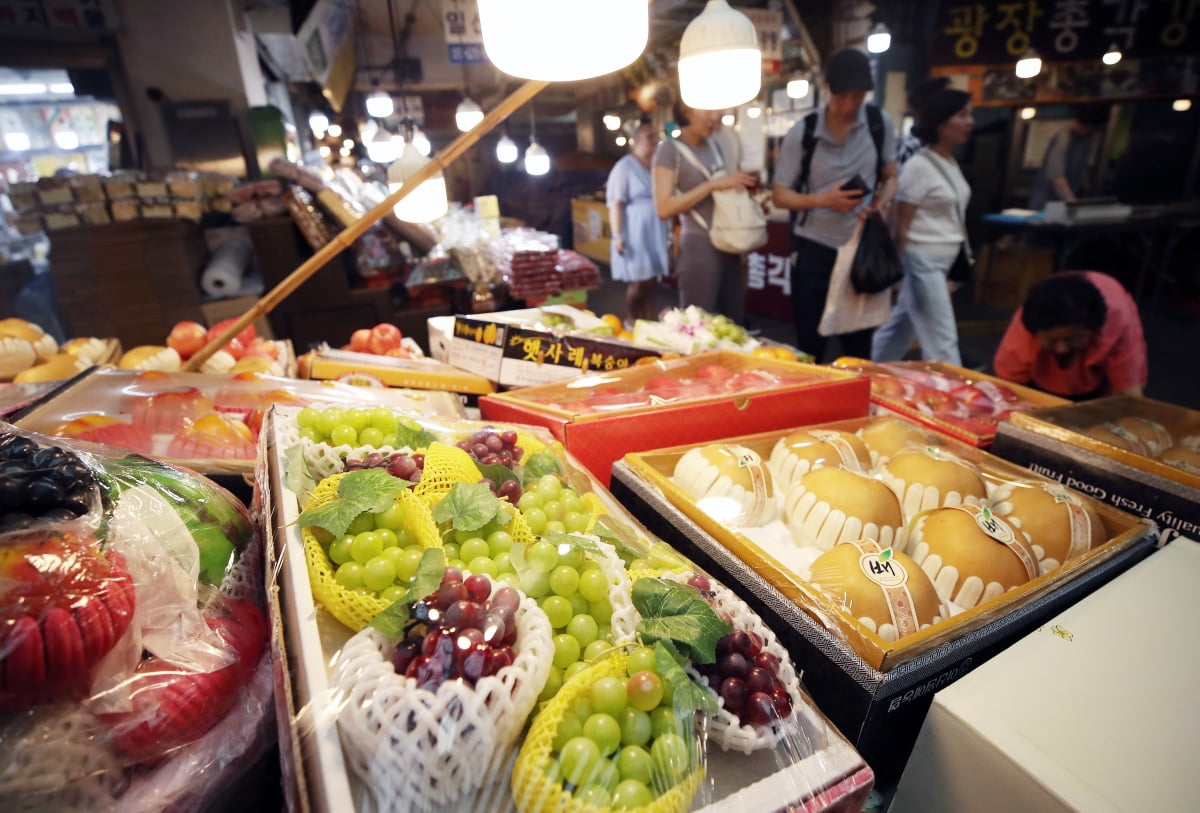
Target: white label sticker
995	527
882	569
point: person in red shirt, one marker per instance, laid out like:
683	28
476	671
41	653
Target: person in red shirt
1078	336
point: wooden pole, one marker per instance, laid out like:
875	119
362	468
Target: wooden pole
348	235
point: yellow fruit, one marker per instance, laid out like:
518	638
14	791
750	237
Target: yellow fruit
783	354
613	321
626	335
57	367
151	357
764	352
253	364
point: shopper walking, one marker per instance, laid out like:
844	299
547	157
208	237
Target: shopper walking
918	96
708	278
639	237
929	230
835	164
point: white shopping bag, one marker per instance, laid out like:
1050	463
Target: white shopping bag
846	310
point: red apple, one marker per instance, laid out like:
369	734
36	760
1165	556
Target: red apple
662	382
186	338
359	340
262	348
245	336
384	337
714	372
235	348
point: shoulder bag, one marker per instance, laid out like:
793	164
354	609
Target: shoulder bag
738	223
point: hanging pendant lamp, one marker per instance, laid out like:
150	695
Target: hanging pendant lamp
468	114
380	104
425	203
563	40
720	64
1029	66
506	150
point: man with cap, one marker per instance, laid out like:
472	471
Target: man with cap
824	157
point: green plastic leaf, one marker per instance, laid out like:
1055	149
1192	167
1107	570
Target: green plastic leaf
413	435
496	472
468	507
675	612
392	621
296	474
358	491
540	463
687	697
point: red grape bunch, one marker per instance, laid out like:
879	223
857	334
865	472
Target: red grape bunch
398	464
746	676
462	631
491	447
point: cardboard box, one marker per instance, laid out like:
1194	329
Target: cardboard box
888	393
1008	270
306	639
875	691
599	435
516	348
592	234
1049	725
1055	444
365	369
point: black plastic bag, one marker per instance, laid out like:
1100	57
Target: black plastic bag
876	263
963	269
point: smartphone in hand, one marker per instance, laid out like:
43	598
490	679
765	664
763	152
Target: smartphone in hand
856	184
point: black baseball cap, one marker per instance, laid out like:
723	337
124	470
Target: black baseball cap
848	69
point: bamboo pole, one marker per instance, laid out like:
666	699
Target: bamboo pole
342	241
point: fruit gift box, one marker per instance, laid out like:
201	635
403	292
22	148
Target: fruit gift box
963	404
601	416
471	622
1138	454
208	422
29	355
246	352
134	667
886	556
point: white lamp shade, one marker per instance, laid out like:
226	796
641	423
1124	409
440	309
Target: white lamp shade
425	203
383	148
17	141
380	105
563	40
537	160
879	40
1028	112
1111	57
720	64
1029	66
612	122
421	142
318	123
797	88
1181	105
468	114
506	150
66	140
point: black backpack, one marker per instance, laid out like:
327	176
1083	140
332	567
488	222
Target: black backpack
808	145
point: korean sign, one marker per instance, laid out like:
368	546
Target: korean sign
464	37
998	31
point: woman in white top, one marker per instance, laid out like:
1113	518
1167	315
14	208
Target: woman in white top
929	231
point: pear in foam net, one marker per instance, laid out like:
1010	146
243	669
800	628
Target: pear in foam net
884	437
932	478
803	450
728	482
1183	458
1061	524
831	505
883	588
971	554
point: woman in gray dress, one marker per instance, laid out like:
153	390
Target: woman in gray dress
639	238
711	279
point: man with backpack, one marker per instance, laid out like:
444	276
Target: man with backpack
835	165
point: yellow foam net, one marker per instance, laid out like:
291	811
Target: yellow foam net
354	608
534	791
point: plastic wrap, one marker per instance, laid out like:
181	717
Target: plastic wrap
209	423
421	720
134	671
903	547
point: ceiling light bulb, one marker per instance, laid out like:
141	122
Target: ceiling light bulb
348	143
622	141
720	64
1112	56
1181	105
380	104
537	160
797	88
1029	65
345	152
319	123
612	122
66	140
382	149
728	119
879	40
421	142
753	112
334	130
425	203
17	142
560	41
1028	112
325	151
506	150
468	114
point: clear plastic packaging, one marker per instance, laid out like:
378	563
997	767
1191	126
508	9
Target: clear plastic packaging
133	639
